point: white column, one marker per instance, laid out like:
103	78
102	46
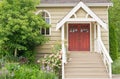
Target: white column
63	53
63	45
98	37
99	31
95	39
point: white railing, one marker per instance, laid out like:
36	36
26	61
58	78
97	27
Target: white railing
106	57
64	60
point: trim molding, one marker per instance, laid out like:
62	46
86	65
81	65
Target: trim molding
81	19
73	4
87	9
67	38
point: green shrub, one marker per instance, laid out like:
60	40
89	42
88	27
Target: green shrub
26	72
116	67
29	55
16	71
113	43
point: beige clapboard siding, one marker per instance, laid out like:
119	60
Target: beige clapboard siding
48	46
105	42
44	50
53	25
81	13
55	34
53	29
105	34
105	38
50	42
55	38
102	12
58	13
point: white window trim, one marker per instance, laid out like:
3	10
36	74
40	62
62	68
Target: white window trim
46	17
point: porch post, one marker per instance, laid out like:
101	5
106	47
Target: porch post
95	38
98	37
63	44
99	31
63	52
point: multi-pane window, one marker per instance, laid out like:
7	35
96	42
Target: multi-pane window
46	16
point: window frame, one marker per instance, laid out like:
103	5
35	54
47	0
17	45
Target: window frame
48	17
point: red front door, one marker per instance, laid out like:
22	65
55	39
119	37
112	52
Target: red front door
79	37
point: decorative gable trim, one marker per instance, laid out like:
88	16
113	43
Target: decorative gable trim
75	9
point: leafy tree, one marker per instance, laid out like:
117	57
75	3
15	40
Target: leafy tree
19	26
113	43
114	17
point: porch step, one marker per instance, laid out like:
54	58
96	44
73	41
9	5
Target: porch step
85	66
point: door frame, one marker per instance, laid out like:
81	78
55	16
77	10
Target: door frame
67	24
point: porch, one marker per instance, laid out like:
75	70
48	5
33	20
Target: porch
84	34
85	58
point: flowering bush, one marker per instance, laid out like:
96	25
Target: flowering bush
52	62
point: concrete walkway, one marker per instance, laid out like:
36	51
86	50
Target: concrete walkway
116	76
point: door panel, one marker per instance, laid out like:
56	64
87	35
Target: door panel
73	36
79	37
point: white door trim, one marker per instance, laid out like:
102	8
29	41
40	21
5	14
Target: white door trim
80	23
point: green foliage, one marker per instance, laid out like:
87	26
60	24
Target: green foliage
56	47
16	71
116	67
19	26
114	22
113	43
2	62
30	55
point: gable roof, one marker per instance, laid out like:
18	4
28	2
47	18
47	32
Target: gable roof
69	3
74	1
87	9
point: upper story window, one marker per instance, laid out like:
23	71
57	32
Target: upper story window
46	15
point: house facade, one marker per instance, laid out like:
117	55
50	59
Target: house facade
78	25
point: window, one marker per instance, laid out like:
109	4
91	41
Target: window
46	16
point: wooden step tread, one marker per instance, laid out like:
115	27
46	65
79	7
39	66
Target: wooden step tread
87	76
85	65
85	69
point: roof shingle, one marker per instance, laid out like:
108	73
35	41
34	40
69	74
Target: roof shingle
74	1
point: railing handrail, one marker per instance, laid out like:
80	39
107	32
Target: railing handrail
107	59
105	51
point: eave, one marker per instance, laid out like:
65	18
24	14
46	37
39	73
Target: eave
73	4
